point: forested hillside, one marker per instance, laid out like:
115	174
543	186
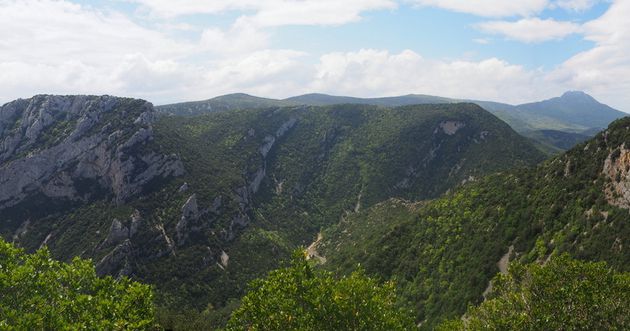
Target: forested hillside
199	206
310	166
443	253
555	125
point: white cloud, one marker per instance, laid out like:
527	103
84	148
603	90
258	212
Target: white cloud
273	73
51	46
170	8
60	47
531	30
51	31
272	12
488	8
239	39
314	12
371	72
604	69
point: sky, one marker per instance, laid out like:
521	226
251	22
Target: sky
168	51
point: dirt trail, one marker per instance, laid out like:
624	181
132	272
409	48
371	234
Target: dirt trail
311	250
505	260
503	264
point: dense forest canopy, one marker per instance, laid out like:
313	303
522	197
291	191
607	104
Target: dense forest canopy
40	293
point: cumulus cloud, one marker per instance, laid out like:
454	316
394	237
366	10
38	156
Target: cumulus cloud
372	72
238	39
268	72
531	30
60	47
65	30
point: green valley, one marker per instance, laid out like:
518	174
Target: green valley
429	197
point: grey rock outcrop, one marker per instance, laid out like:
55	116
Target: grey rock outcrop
117	233
128	241
224	259
617	169
190	213
183	188
451	127
254	180
118	261
269	140
65	147
120	231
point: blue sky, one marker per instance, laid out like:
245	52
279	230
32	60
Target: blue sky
169	51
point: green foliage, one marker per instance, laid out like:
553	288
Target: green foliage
563	294
302	298
443	253
556	139
227	102
39	293
334	160
567	120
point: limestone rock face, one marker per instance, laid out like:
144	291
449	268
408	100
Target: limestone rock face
129	241
69	147
451	127
118	261
617	169
120	231
190	213
117	233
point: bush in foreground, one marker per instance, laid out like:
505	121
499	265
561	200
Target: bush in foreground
40	293
301	298
563	294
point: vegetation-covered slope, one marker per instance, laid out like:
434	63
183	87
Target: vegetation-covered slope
256	184
560	294
330	161
574	113
317	99
443	253
222	103
556	141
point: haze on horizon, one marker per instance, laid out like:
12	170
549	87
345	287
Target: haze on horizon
172	51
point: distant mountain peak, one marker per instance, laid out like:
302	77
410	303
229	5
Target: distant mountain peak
238	94
577	95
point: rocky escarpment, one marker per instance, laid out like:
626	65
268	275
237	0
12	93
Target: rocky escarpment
195	219
75	147
617	170
245	193
129	241
442	133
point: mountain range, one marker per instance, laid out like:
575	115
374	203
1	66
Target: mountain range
199	199
555	124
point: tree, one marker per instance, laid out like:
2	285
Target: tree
39	293
563	294
301	298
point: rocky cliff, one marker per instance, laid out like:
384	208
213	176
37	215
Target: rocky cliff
74	147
